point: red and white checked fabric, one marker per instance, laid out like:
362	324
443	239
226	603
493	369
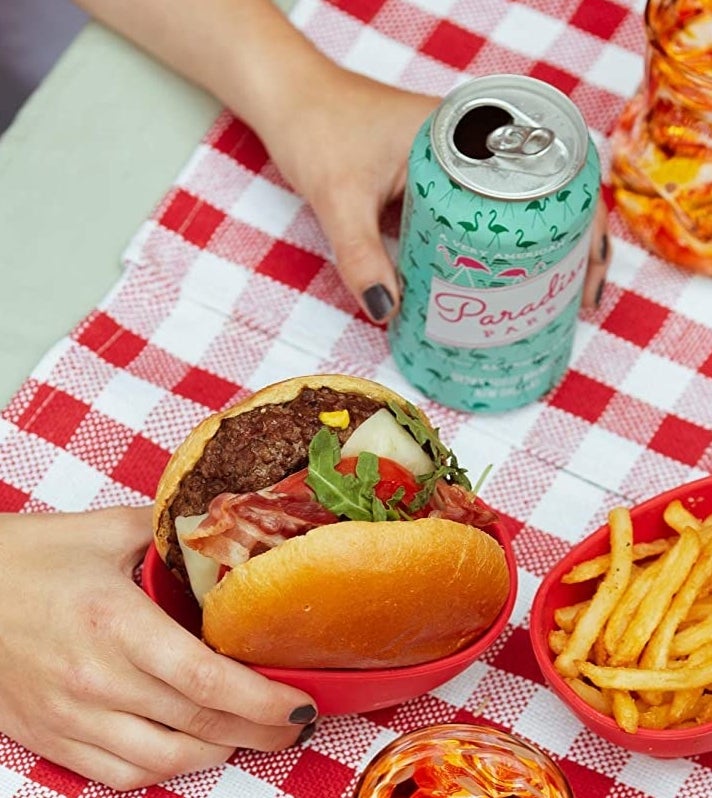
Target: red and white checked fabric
229	286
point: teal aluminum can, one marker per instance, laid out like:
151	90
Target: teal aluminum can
503	181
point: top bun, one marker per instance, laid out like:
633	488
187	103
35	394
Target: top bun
360	594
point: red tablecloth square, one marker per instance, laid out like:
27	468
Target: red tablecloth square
291	265
107	338
365	10
452	45
563	80
206	388
636	318
600	17
12	499
141	467
706	367
192	218
681	440
239	142
592	785
59	779
313	770
582	396
53	414
516	656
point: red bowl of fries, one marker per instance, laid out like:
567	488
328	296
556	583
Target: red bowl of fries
622	626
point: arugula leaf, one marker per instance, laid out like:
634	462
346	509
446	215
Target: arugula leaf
347	495
446	465
353	496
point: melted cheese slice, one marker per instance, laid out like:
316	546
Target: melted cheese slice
202	571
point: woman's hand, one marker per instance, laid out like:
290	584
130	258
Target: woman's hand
94	676
343	143
341	139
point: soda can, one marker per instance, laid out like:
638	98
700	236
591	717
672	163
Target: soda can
503	181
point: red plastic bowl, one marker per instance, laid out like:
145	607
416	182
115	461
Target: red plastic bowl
648	524
341	692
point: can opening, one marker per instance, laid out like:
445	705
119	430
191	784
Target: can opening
471	131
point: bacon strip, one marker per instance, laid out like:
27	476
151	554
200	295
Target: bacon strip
456	504
238	527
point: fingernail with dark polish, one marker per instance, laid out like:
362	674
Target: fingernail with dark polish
305	734
304	714
603	252
599	293
378	301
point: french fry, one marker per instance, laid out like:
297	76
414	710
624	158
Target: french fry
657	651
676	565
625	711
695	636
639	586
565	617
700	656
678	517
684	704
593	618
557	640
613	678
598	653
597	566
591	695
704	709
701	609
655	717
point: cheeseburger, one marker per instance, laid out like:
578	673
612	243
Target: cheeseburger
322	523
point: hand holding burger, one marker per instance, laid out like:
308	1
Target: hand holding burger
322	523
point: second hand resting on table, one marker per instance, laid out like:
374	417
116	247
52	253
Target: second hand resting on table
92	674
341	139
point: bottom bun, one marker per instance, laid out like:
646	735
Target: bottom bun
360	595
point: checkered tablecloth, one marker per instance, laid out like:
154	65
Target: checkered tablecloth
229	286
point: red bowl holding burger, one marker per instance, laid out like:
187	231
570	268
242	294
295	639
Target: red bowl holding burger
321	533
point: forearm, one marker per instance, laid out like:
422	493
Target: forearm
244	52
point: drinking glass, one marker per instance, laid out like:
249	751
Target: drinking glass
460	759
662	144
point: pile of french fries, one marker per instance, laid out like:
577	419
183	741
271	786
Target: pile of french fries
640	650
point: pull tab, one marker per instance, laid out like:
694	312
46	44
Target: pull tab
519	140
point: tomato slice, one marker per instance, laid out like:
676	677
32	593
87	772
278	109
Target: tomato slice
393	476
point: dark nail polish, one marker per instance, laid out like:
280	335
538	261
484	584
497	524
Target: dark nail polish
305	734
305	714
599	293
603	251
378	301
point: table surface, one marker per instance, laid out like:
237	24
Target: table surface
207	304
81	167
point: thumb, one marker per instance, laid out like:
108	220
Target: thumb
122	534
599	259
